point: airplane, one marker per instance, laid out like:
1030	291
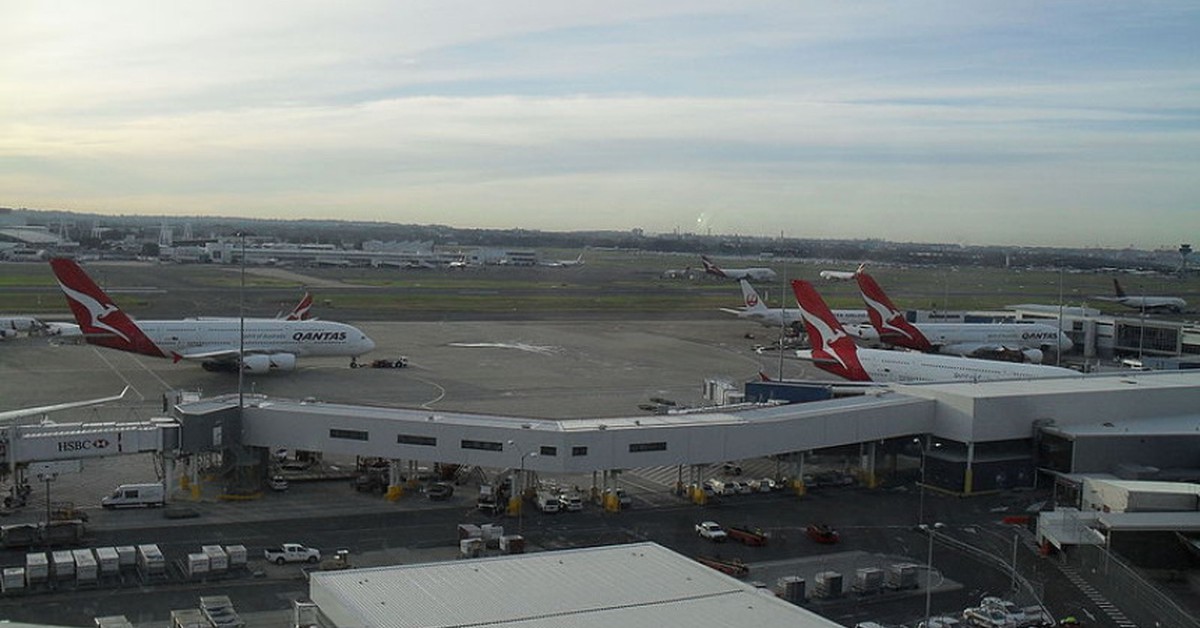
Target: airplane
834	351
9	415
1014	342
751	274
855	321
841	275
1144	303
266	345
10	326
565	263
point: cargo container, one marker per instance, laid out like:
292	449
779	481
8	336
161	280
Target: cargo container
106	558
86	569
469	531
196	565
512	544
828	585
791	588
470	548
13	580
868	580
19	535
126	556
902	576
189	618
63	563
218	560
113	621
63	532
237	556
150	561
37	568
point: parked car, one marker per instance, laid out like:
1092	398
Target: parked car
741	487
278	483
439	491
712	531
731	468
763	485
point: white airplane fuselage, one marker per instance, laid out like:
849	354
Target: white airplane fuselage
964	338
299	338
913	367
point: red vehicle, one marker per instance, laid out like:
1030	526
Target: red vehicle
731	566
747	536
822	533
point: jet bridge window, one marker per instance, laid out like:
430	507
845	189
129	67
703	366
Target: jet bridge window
548	451
640	447
482	444
349	434
579	451
411	439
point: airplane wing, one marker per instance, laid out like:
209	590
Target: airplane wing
200	354
24	412
731	310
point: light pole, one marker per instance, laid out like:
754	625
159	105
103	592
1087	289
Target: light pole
921	507
521	498
931	530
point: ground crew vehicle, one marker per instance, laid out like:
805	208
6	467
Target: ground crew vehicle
133	495
747	536
712	531
291	553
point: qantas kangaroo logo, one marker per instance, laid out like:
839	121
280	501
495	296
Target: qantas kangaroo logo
891	323
301	311
97	310
752	300
826	336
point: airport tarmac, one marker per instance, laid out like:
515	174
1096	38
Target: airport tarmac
545	369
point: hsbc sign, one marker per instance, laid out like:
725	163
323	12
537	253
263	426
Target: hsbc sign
83	444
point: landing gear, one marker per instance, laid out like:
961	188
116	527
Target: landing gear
354	362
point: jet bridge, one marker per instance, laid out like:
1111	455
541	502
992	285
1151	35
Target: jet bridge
23	444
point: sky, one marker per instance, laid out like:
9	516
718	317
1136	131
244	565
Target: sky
1066	123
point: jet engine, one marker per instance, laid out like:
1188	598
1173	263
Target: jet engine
267	363
1033	356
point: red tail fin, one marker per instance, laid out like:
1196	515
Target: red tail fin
711	268
100	320
832	349
301	311
893	328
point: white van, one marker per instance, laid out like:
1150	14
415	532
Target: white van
130	495
547	501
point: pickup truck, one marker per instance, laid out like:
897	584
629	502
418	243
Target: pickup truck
291	553
712	531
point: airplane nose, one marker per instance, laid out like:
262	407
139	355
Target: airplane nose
367	344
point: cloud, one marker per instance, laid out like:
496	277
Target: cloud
764	116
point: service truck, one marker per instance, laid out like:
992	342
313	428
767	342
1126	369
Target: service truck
291	553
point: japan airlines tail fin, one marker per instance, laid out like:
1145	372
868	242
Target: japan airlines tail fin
832	349
302	310
750	298
100	320
893	328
